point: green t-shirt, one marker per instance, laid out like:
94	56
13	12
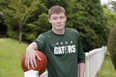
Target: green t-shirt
63	52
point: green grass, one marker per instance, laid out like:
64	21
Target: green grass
107	69
10	57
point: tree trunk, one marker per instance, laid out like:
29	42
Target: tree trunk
20	33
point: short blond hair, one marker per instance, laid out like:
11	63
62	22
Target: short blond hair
56	10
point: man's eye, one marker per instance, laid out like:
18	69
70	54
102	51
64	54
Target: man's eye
61	17
54	18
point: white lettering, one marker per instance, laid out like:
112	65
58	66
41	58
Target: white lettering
65	49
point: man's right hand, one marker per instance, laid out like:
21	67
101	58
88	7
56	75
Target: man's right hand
31	55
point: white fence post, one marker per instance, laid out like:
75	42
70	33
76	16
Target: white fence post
31	73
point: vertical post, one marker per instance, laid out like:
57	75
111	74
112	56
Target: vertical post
31	73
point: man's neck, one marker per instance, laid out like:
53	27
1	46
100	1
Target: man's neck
59	31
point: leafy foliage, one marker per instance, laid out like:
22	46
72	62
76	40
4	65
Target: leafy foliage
110	16
20	11
113	5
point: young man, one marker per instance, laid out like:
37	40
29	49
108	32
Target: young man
62	47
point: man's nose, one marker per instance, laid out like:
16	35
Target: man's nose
59	20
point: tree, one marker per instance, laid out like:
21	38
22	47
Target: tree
88	18
112	45
113	4
33	29
110	16
21	10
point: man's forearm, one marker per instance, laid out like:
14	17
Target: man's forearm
81	69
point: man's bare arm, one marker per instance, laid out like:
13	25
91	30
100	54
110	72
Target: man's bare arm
31	53
81	69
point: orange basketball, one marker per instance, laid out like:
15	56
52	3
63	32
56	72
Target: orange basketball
41	64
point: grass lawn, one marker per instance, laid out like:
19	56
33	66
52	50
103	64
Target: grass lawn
107	69
10	57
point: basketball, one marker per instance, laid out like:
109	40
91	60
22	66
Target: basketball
41	64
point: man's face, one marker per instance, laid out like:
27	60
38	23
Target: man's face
58	21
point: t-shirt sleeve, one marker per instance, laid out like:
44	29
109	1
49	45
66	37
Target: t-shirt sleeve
40	41
81	54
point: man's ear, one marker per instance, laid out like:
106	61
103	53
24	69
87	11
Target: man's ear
66	18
